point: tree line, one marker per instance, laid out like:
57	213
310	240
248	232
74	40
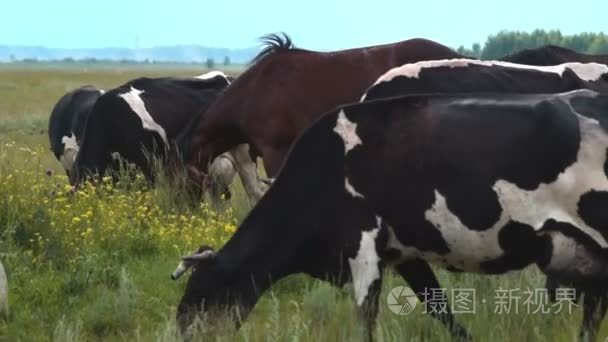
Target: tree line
507	42
498	45
209	62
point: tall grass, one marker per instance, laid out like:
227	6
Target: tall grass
95	264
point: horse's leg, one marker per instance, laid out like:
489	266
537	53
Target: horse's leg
421	279
273	159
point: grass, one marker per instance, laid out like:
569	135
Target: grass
95	265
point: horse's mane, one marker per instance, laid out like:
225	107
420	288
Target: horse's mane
273	42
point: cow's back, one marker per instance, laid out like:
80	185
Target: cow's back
465	76
173	102
552	55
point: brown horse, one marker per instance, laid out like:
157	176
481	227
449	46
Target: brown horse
286	89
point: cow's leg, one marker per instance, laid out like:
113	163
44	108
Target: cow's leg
595	305
369	308
247	170
577	260
366	270
421	279
551	284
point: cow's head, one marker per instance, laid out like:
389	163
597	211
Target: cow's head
211	289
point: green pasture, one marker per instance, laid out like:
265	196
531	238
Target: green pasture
94	265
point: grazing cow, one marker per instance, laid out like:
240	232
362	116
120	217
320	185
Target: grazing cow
67	121
3	292
475	183
147	118
552	55
270	104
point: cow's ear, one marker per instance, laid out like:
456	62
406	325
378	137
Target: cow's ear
199	256
203	253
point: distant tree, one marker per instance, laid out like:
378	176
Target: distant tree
508	42
226	60
12	57
477	50
464	51
210	63
470	53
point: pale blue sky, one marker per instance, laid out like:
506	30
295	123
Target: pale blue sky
313	24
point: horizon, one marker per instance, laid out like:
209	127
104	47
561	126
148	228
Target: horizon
316	25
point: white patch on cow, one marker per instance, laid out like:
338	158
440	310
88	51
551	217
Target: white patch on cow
364	267
586	71
351	189
467	247
563	251
211	74
347	130
3	292
134	100
557	200
70	150
101	91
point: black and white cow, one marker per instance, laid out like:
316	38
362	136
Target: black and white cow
144	117
552	55
469	75
67	121
477	183
465	75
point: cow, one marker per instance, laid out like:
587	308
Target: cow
486	183
149	118
552	55
67	121
3	292
465	75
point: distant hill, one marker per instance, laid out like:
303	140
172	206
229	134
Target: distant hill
179	53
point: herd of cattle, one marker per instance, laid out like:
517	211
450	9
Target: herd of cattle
402	155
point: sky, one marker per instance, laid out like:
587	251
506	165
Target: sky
312	24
